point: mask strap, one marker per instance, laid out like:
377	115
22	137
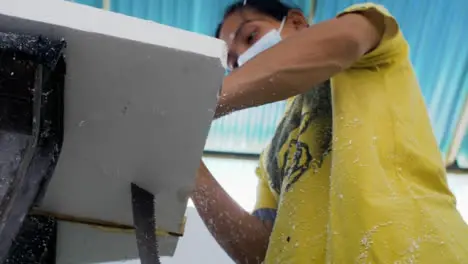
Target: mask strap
282	24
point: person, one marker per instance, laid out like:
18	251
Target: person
353	173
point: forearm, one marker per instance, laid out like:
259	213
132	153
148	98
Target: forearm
241	235
298	63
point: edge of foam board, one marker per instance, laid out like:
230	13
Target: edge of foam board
81	243
94	20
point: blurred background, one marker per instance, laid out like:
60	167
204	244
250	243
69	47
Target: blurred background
438	51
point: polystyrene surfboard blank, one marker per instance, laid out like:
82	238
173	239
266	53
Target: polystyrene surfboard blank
139	100
83	244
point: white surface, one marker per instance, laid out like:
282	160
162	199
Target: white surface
459	186
197	246
139	99
77	247
83	244
97	21
237	176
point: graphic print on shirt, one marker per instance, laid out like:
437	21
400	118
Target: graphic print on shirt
302	139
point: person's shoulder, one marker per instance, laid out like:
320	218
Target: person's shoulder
392	46
363	7
375	13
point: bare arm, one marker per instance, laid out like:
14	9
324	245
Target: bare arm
243	236
301	61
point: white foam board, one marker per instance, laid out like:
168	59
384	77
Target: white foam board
84	244
139	101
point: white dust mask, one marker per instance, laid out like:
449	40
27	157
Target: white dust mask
267	41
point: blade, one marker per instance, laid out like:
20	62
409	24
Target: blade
145	225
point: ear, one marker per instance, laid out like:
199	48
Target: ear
297	19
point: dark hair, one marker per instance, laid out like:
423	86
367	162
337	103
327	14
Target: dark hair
273	8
